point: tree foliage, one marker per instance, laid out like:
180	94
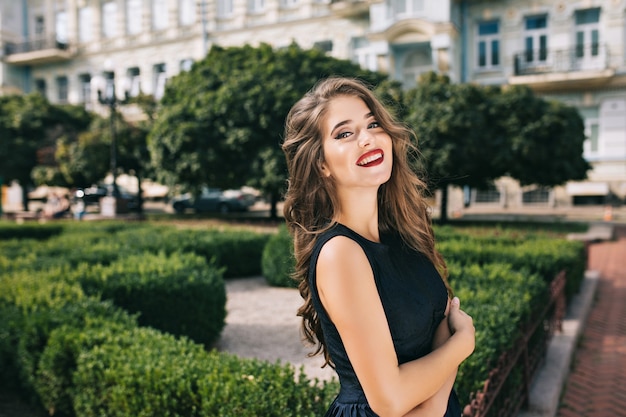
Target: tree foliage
545	138
86	159
221	123
29	129
471	135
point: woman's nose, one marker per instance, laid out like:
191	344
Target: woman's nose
365	138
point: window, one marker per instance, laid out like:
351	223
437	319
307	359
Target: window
133	17
40	86
85	24
592	131
85	88
289	3
61	27
489	195
256	6
539	195
224	8
416	62
361	53
587	34
62	87
160	78
536	39
325	46
134	86
488	44
186	64
187	10
159	14
40	26
407	7
109	15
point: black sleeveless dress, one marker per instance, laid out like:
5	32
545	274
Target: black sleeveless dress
414	299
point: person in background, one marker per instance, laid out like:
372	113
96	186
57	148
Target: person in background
376	299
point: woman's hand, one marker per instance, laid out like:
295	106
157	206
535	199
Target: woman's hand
461	323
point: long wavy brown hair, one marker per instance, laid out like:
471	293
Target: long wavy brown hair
311	201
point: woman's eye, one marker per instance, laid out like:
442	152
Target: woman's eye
343	135
373	125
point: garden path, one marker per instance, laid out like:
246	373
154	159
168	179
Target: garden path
596	385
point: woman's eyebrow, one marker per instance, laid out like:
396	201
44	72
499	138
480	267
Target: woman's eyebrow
338	125
345	122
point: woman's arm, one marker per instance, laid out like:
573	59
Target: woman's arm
348	292
438	403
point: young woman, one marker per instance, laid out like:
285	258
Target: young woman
376	301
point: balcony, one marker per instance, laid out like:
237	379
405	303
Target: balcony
350	8
581	67
35	52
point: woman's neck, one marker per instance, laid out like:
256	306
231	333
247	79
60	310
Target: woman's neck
359	212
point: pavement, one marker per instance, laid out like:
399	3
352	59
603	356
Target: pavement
584	374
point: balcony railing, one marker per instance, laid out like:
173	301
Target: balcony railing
37	51
592	57
11	48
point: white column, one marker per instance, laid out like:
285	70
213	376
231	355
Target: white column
147	16
173	8
49	19
72	22
121	18
97	20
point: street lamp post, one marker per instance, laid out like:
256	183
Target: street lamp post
105	89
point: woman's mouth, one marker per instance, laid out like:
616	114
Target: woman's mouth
371	158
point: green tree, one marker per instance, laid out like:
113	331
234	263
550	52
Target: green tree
470	135
221	123
545	138
85	160
29	127
455	136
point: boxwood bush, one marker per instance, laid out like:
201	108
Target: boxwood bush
80	355
545	256
181	293
10	230
141	372
278	261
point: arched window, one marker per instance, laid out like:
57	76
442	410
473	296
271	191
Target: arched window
416	62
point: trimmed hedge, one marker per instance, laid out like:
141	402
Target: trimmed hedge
544	256
11	230
146	373
278	261
501	299
79	355
180	294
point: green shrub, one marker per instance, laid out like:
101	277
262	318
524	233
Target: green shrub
278	261
146	373
58	362
180	293
29	231
544	256
239	251
502	300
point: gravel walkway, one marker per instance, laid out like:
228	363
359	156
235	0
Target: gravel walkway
261	323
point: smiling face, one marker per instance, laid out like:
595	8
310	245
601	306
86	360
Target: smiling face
357	151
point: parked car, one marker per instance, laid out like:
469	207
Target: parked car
214	200
93	194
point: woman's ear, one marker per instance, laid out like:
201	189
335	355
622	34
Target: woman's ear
324	169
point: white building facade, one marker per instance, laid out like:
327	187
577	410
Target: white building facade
573	51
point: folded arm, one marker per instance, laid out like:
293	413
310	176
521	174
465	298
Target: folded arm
344	273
